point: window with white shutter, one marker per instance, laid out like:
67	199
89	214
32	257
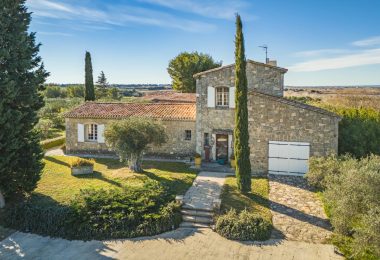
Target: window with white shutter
210	97
232	97
80	133
101	134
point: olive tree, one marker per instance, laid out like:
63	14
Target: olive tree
130	137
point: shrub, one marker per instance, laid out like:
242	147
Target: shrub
359	130
243	226
78	162
351	194
51	143
55	92
99	214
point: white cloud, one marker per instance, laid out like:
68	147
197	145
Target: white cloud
365	57
114	15
223	9
55	34
368	42
320	52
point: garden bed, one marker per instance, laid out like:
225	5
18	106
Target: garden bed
113	202
245	216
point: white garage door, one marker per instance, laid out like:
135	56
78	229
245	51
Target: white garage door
288	158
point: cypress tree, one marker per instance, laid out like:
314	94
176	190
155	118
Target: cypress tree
241	136
22	75
89	94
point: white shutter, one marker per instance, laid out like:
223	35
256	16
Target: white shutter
232	98
80	133
210	97
213	146
101	134
230	146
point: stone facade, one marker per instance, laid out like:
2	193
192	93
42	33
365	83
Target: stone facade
261	77
271	117
176	145
274	119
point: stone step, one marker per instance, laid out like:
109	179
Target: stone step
196	219
190	207
199	213
186	224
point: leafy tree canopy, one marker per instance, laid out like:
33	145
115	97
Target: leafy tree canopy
182	68
130	137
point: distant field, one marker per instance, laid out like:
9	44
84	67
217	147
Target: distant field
346	97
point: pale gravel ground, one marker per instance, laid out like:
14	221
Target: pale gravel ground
179	244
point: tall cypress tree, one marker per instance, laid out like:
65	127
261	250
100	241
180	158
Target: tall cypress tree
22	75
89	94
241	136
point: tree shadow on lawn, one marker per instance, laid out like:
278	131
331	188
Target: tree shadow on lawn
99	176
54	160
170	167
175	186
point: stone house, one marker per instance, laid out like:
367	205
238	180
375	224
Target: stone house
283	133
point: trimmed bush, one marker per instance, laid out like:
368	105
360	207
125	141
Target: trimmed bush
99	214
51	143
78	162
243	226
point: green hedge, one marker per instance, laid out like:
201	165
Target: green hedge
359	130
99	214
51	143
243	226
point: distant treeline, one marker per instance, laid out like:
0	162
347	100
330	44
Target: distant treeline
121	86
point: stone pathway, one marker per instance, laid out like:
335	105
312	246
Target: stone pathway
205	190
297	212
179	244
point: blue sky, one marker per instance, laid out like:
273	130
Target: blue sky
321	42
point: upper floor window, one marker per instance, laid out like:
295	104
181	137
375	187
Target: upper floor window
222	96
91	132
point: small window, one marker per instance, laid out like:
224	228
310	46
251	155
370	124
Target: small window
187	134
222	96
206	139
92	132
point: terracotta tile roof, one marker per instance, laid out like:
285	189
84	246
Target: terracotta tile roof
166	111
295	103
283	70
170	96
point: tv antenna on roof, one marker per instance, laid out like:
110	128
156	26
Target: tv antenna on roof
265	47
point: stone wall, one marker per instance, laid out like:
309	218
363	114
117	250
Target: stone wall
176	145
267	79
271	120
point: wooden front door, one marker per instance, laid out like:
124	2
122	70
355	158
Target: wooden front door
222	147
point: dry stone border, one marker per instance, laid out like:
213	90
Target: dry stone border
297	212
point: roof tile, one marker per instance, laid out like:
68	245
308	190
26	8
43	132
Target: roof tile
166	111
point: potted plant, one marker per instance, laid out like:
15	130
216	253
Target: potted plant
197	160
232	161
80	166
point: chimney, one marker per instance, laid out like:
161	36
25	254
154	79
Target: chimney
272	62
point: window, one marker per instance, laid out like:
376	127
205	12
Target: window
206	139
222	96
92	132
187	134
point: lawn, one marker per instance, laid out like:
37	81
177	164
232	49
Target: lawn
59	186
255	201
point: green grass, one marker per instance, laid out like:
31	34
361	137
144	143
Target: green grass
55	132
59	186
255	201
